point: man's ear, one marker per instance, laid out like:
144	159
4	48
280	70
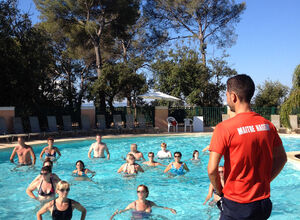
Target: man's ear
234	97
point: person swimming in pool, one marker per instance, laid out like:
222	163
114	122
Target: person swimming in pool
50	151
212	191
130	167
177	167
24	152
142	207
62	207
81	171
151	161
45	186
164	153
49	163
195	155
99	147
137	154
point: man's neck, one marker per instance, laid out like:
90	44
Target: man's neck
242	108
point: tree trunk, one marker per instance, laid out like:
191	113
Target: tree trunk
203	50
98	59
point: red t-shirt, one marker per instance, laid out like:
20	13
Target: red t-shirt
246	141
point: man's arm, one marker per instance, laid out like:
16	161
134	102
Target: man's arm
107	152
90	151
32	155
279	160
13	155
212	170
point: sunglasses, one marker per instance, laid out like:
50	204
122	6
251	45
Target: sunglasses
64	190
43	174
221	171
177	156
150	156
138	191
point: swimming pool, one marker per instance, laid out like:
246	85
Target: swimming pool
110	191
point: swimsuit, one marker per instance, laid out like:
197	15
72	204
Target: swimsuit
125	169
47	154
82	175
52	191
62	215
141	214
179	171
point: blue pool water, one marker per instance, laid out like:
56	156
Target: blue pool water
110	191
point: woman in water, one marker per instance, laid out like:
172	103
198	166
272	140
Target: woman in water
45	186
130	167
177	167
50	151
62	207
49	163
141	207
195	155
81	171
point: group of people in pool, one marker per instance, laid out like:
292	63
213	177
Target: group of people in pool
48	184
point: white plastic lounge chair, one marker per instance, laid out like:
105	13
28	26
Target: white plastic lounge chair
3	130
67	121
172	123
18	128
52	126
117	121
188	123
129	121
85	123
35	127
142	121
275	119
101	122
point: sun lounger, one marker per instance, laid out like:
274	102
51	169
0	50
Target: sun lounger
101	122
52	126
141	121
35	127
117	121
85	125
67	125
3	130
275	119
293	122
18	128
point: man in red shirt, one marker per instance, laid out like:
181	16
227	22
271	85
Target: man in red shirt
253	156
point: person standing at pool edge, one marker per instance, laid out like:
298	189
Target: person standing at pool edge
24	152
253	156
98	147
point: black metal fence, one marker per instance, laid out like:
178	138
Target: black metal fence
211	115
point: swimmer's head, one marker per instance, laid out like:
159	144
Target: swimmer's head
130	158
221	171
163	146
20	140
79	164
133	147
63	186
195	152
143	189
48	162
50	140
151	154
177	155
46	170
98	138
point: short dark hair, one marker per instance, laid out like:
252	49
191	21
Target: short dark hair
242	85
151	153
50	139
178	153
48	160
47	169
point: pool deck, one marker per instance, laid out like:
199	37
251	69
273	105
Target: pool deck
291	155
82	138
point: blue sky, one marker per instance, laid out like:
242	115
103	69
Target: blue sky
267	47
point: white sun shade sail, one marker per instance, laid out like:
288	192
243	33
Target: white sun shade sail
158	96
